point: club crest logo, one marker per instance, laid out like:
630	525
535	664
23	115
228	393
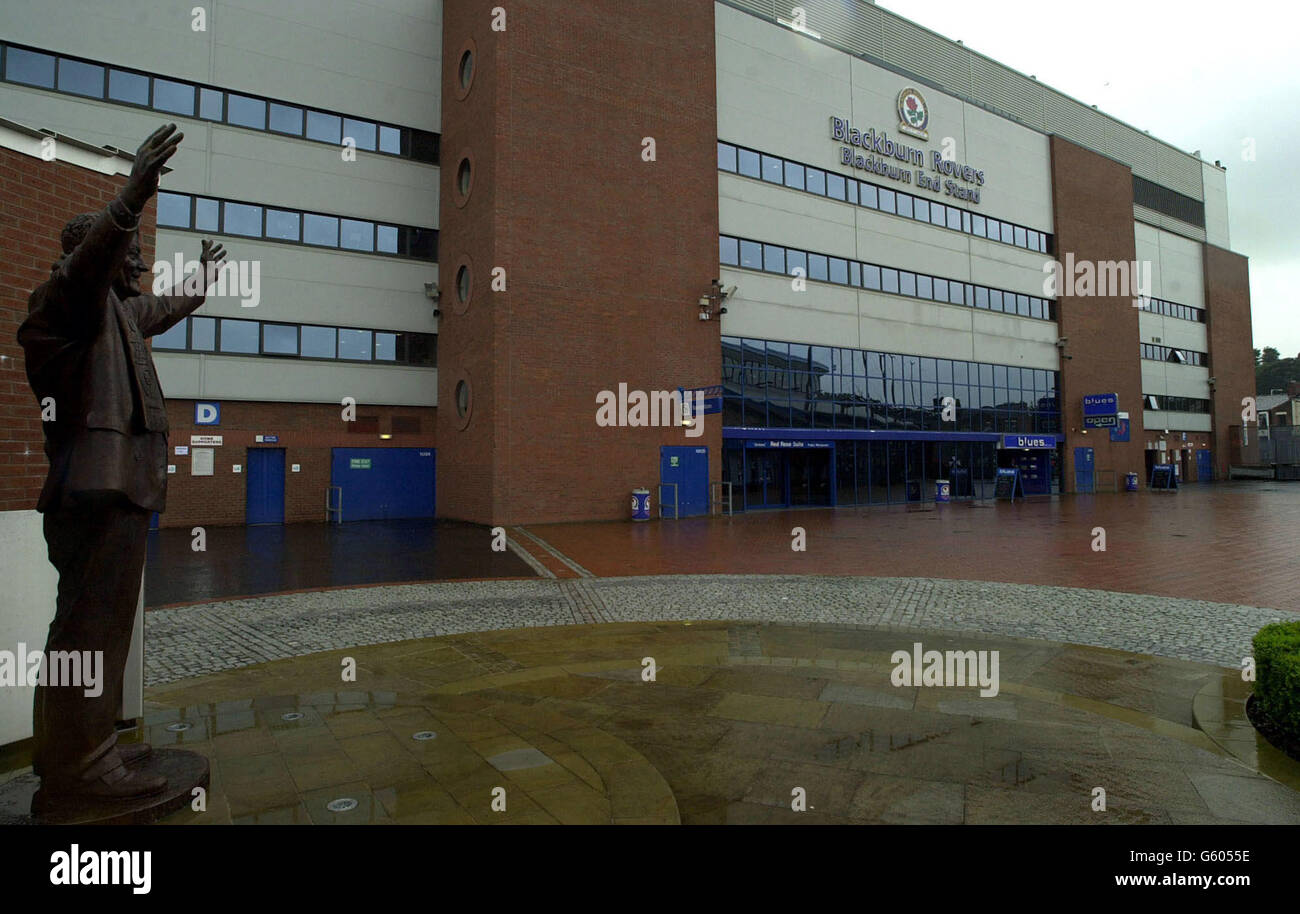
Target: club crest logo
913	115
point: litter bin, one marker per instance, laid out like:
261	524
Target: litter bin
1130	482
640	504
942	490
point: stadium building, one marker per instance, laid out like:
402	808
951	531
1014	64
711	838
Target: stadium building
458	225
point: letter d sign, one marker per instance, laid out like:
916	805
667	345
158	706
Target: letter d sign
207	413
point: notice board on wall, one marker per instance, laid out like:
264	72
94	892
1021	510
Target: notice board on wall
201	461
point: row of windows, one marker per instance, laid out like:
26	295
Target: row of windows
252	220
1176	404
1173	309
770	384
1169	354
775	258
235	336
124	86
797	175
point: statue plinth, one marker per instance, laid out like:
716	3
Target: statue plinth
184	770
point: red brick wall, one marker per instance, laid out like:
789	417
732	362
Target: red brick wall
307	433
1092	203
606	254
37	198
1232	361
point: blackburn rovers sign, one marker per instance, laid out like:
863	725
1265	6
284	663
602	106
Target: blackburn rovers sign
871	150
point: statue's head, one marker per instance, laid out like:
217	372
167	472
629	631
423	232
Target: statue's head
127	282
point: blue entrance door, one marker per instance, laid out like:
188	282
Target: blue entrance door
1204	466
1083	470
688	467
265	476
384	483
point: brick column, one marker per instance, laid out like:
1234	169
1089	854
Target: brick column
1092	203
605	254
1232	362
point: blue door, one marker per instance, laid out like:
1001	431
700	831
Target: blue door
1204	466
265	480
688	467
1083	470
383	483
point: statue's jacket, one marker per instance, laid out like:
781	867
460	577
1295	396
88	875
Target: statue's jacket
87	359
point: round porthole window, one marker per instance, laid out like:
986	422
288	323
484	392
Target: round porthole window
462	398
463	284
466	69
464	177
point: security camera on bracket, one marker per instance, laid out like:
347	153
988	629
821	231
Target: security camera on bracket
1060	344
433	293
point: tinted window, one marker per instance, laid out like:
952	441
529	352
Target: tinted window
839	271
354	344
172	339
922	209
816	181
282	225
796	260
907	283
203	334
938	214
773	169
385	347
319	342
749	163
835	186
80	78
356	235
386	239
322	230
327	128
924	287
128	87
817	267
210	104
29	68
390	140
870	277
279	339
173	209
728	251
238	336
726	157
363	132
246	112
285	119
207	215
175	97
774	258
905	205
889	280
243	219
794	175
887	201
954	219
867	195
751	255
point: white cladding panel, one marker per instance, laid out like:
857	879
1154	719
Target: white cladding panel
1155	422
378	59
1215	181
778	90
190	376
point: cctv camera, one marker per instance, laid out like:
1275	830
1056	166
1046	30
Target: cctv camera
431	290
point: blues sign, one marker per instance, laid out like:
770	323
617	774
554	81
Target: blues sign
1101	405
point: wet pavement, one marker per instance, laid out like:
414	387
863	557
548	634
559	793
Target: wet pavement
563	725
1227	543
247	561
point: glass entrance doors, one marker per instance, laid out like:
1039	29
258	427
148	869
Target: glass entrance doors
785	479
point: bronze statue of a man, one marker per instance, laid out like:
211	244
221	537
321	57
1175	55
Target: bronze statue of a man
107	446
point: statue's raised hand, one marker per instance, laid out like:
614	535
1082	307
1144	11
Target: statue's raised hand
149	161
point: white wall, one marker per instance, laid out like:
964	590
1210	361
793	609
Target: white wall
224	377
777	91
1215	182
1176	275
27	603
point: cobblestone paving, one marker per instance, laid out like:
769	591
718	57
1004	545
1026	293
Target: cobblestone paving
190	641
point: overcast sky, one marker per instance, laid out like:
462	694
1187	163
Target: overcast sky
1199	75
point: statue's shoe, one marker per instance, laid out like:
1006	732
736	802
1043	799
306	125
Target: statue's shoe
117	784
134	753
